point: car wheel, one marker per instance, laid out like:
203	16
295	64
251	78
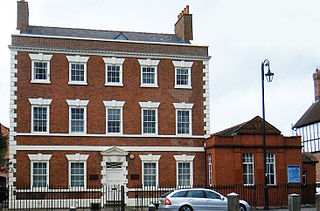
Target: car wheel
185	208
242	207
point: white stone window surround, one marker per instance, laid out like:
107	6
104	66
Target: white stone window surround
149	106
39	158
77	158
184	159
150	158
152	64
78	104
113	61
40	57
78	60
182	65
184	107
40	102
113	104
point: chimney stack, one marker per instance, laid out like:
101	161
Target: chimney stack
22	16
316	79
183	27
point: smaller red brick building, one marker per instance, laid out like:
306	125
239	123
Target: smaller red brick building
235	157
4	175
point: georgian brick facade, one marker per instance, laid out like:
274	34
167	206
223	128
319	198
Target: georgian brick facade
45	101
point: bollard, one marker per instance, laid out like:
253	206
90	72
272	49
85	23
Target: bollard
73	208
294	202
318	201
152	207
233	202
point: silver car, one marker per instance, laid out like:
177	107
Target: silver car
196	199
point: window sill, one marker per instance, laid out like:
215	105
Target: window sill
182	87
114	134
184	135
113	84
149	85
77	83
35	132
40	82
77	133
149	134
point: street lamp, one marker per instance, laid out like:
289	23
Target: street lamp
269	76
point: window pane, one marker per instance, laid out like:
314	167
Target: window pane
248	168
39	174
183	122
113	74
77	119
114	120
270	164
40	119
77	175
184	174
40	70
149	174
77	72
182	77
148	75
149	121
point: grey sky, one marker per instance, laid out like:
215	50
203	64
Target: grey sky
240	35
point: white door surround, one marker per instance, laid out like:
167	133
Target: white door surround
116	157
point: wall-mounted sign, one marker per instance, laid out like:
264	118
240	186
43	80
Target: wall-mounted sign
293	174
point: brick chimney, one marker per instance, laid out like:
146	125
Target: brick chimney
183	27
22	16
316	79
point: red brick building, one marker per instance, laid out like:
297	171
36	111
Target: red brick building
96	107
4	174
235	157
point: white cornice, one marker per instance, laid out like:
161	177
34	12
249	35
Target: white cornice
182	64
109	53
112	135
148	62
150	157
78	58
39	157
78	102
149	104
77	157
184	157
113	103
183	105
40	101
40	57
104	148
113	60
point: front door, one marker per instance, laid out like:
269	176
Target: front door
114	180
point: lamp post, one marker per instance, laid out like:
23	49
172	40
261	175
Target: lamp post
269	75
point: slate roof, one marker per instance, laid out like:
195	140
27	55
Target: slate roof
311	116
307	157
251	127
104	34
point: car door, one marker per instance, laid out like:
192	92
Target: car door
215	201
197	200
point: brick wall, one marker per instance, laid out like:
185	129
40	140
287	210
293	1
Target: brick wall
96	92
227	156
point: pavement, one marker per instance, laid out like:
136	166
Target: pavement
308	208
